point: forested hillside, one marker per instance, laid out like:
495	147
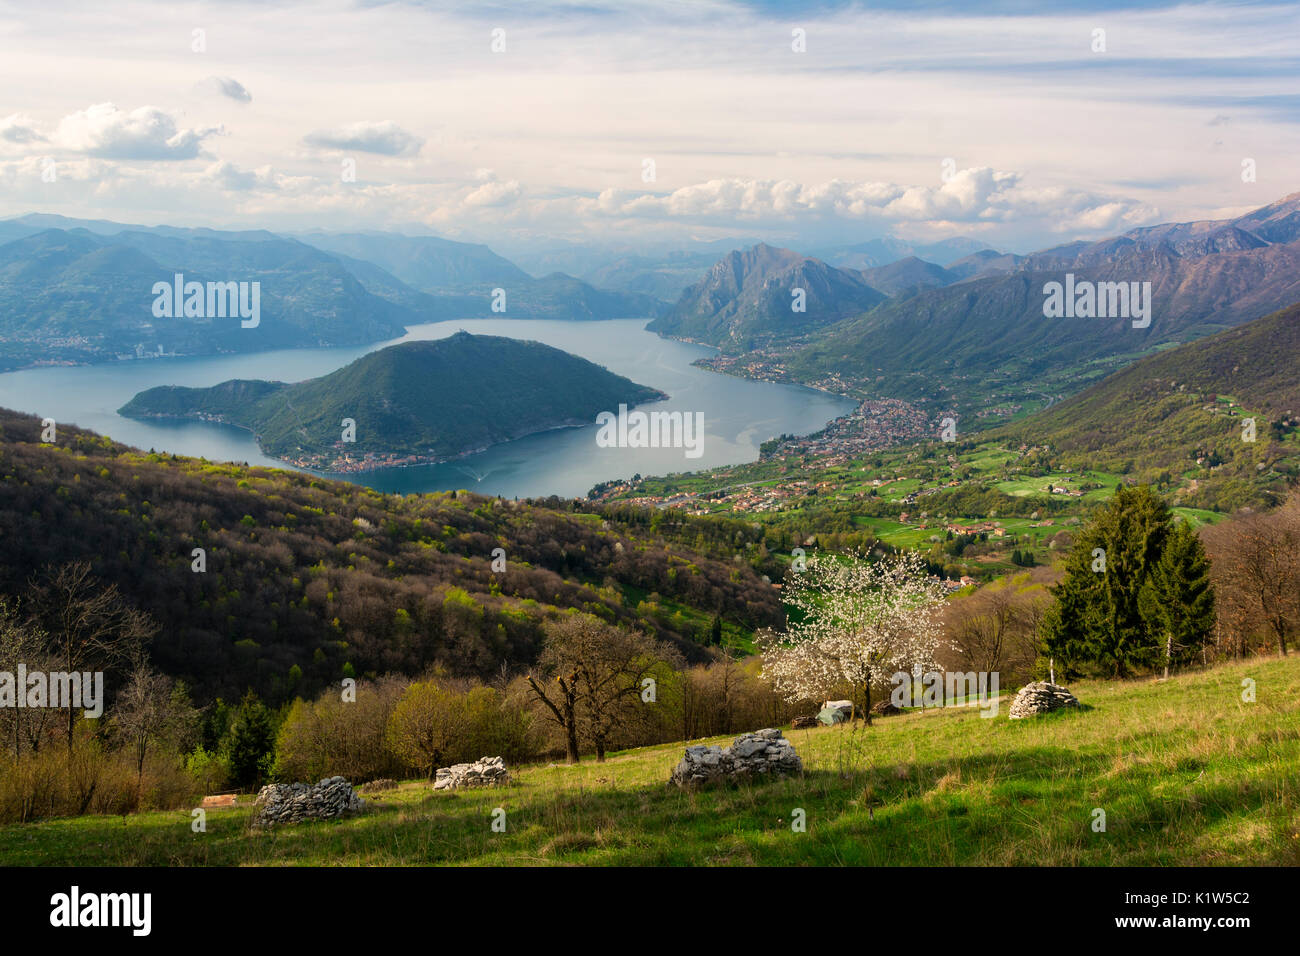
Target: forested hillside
1185	410
305	580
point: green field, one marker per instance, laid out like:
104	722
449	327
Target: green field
1186	772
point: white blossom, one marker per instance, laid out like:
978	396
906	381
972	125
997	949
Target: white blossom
853	621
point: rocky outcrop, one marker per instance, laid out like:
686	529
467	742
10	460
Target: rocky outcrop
1041	697
293	802
759	755
484	772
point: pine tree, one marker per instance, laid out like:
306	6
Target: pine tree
251	743
715	631
1178	598
1097	619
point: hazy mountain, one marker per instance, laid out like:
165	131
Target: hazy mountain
587	259
426	263
74	295
75	290
664	277
426	401
907	276
746	300
984	262
460	279
881	252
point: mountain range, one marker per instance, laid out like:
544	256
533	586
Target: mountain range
74	291
973	335
413	403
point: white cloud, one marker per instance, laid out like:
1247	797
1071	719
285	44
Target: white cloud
969	197
19	128
494	194
839	144
228	87
227	175
147	133
386	138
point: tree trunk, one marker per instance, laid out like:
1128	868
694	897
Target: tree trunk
571	734
1169	652
867	695
72	714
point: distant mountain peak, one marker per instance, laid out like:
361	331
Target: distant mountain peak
766	293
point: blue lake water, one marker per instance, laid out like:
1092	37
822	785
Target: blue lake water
738	415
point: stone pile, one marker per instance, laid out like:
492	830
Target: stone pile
1041	697
484	772
293	802
762	754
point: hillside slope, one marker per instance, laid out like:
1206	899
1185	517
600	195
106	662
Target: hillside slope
1187	776
1184	407
321	574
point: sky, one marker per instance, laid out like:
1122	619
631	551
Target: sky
656	123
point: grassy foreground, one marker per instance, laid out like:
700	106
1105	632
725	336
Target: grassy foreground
1186	772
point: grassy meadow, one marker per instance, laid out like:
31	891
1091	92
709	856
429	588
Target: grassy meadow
1185	770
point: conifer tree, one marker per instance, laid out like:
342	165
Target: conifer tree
1097	618
1178	598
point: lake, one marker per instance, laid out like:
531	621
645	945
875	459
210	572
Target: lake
738	414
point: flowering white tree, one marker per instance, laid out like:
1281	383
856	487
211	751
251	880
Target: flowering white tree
853	621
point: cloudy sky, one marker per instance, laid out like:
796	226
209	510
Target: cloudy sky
658	122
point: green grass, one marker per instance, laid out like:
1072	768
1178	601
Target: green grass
1187	773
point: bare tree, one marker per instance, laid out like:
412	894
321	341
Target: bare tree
996	628
21	642
1256	573
560	695
611	676
90	626
151	710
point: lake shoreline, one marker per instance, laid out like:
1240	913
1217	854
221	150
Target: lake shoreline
560	461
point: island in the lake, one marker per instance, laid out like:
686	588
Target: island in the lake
415	403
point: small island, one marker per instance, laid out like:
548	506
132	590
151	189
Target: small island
416	403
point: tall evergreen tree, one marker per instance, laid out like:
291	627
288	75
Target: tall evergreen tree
1097	618
251	742
715	631
1178	598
